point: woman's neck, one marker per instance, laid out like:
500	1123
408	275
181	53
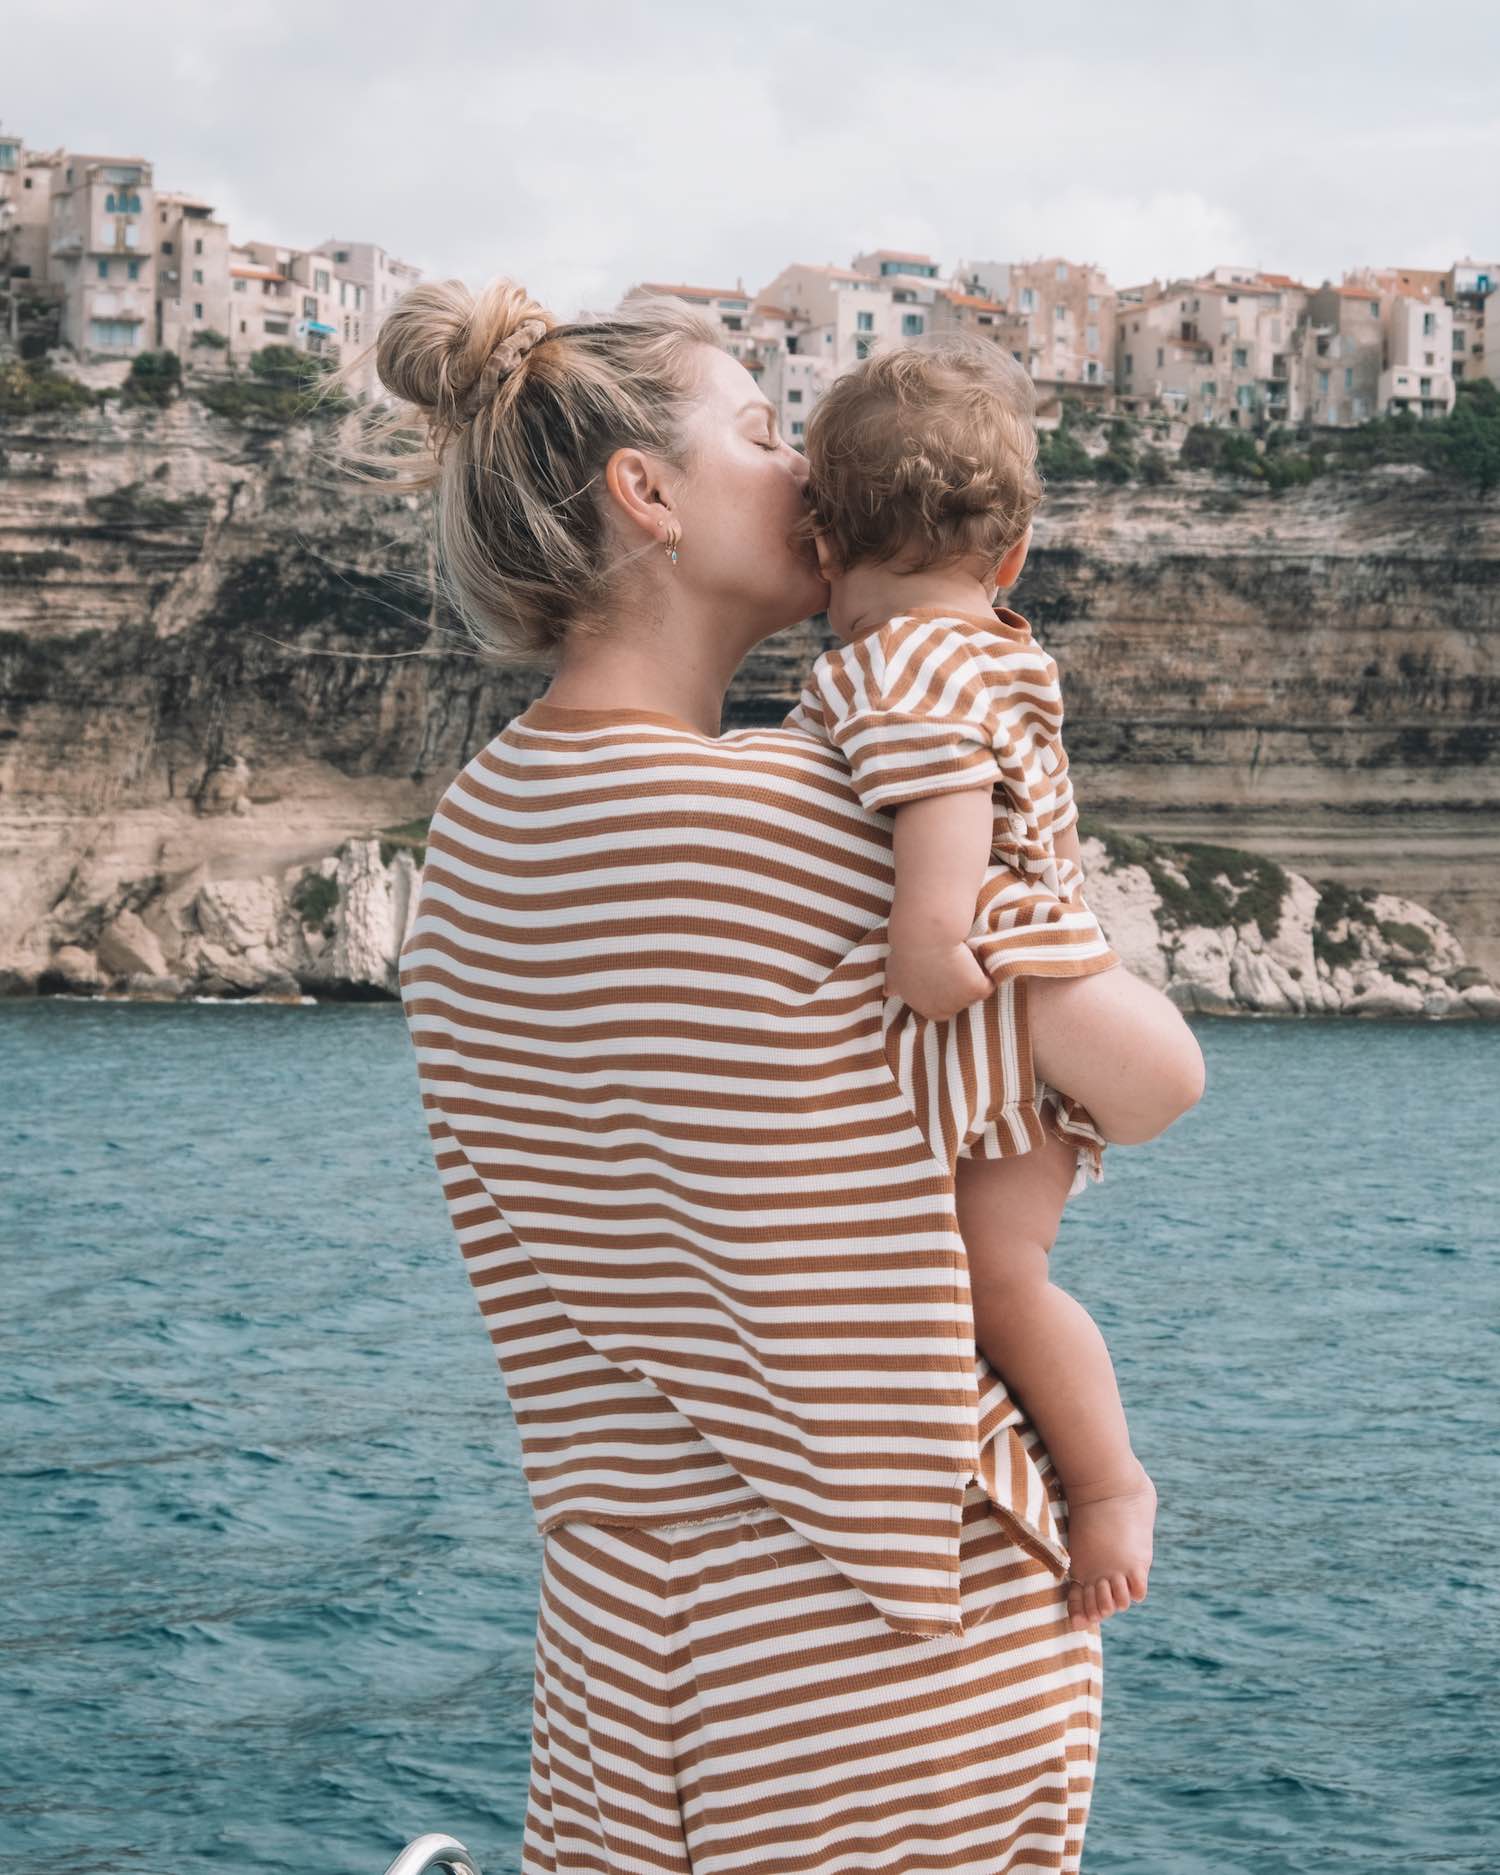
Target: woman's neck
596	675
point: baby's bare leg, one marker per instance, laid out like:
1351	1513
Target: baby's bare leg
1050	1353
1117	1045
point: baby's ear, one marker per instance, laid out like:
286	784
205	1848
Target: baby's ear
829	564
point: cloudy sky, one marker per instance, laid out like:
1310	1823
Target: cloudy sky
581	147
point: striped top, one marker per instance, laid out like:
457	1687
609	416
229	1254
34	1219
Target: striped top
702	1178
932	702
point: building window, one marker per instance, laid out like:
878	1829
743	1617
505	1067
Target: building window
1062	270
132	269
197	276
276	325
1429	325
1161	357
797	428
1210	391
862	347
1375	307
1426	387
1028	299
1093	302
197	308
1458	371
1093	338
166	247
103	267
320	280
794	397
1127	363
239	286
865	321
1059	313
1429	359
1322	384
911	325
242	325
1458	339
1348	377
1241	357
198	244
109	203
309	306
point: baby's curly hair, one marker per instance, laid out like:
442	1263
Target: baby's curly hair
925	453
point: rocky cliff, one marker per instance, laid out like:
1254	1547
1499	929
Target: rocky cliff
223	668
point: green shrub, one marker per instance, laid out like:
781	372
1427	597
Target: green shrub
155	378
1061	457
1407	937
35	388
314	899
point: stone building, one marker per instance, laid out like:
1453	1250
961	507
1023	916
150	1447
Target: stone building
1068	310
192	274
100	253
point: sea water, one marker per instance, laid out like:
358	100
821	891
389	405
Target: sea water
269	1564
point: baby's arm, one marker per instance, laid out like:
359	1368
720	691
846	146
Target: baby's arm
940	848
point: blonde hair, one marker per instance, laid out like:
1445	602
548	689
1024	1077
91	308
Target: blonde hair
925	453
509	417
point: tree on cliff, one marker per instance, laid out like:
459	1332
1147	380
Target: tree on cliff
1470	440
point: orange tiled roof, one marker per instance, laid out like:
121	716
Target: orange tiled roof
896	253
773	312
969	299
257	273
695	292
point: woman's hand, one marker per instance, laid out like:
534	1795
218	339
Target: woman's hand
936	980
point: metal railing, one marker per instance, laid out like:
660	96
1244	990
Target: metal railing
434	1851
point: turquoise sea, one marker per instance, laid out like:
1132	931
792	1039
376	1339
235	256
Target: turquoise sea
270	1568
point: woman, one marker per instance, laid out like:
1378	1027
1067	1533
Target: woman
803	1597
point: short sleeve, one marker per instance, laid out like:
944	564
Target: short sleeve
910	706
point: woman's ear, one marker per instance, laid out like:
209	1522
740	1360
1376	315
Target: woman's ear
633	479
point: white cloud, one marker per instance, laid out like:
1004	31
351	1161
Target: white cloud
587	148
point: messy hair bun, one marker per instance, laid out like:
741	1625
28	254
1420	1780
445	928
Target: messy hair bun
509	416
448	352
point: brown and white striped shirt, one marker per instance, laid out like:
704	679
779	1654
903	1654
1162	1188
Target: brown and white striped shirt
700	1167
931	702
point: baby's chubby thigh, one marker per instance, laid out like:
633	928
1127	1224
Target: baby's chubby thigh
1008	1214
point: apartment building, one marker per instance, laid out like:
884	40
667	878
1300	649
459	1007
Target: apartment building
1467	287
839	314
192	272
1069	310
1215	350
100	252
1339	357
728	307
370	281
25	208
957	311
1417	357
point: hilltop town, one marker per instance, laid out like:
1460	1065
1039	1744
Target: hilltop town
97	262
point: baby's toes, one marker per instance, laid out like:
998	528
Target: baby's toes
1078	1612
1121	1588
1137	1580
1104	1599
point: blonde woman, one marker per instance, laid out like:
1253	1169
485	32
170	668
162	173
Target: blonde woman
803	1596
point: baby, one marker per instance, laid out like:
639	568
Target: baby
923	485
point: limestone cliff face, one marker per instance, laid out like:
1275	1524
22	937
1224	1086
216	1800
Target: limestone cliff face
223	668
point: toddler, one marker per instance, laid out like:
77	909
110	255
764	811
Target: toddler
923	485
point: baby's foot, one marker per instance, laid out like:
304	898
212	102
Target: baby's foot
1109	1543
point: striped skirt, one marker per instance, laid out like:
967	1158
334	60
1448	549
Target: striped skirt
714	1698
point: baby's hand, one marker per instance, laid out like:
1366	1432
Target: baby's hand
936	980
